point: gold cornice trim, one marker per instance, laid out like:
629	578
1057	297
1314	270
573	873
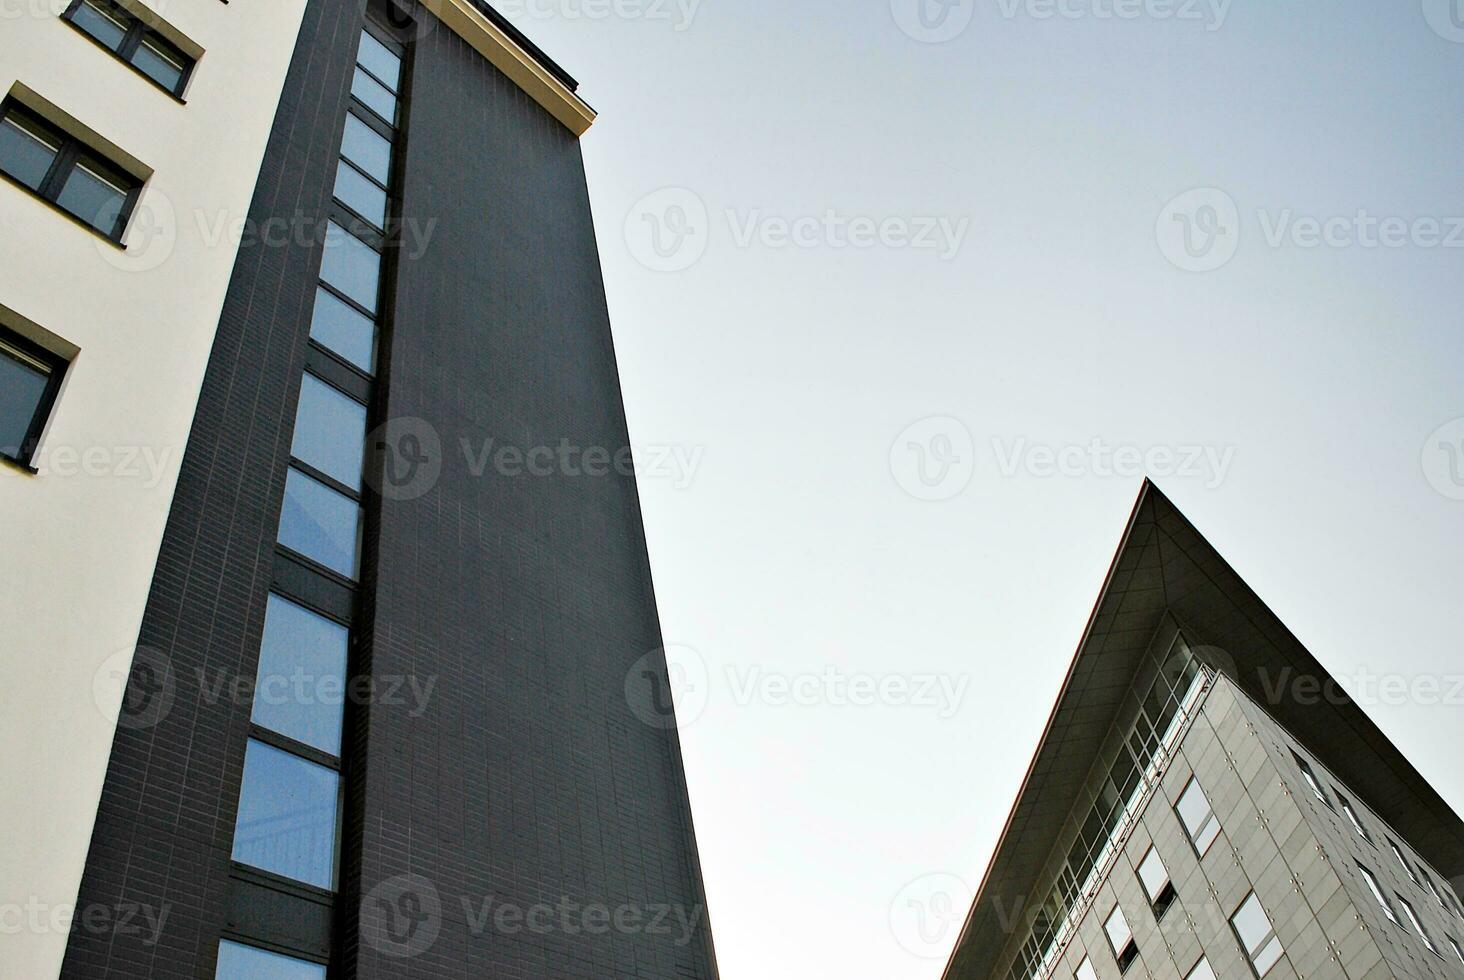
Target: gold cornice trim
489	40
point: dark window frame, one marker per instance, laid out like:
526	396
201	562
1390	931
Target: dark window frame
138	32
46	405
71	153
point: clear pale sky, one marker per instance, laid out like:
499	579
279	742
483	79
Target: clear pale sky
1317	375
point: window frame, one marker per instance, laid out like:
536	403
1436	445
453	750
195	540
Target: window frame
1309	776
1129	952
1376	887
1087	963
71	153
1418	926
46	404
1264	943
1352	816
1210	817
1161	903
1403	860
138	33
1202	962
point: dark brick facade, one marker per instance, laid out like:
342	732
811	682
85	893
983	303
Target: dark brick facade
524	600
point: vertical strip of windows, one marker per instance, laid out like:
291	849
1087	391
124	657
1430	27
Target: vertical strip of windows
291	802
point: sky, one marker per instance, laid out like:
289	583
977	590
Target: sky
905	307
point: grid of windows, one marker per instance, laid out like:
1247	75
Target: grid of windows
63	171
1257	936
1161	710
291	800
134	42
30	377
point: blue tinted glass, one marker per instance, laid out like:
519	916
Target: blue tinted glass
100	25
360	195
367	148
320	523
330	431
373	96
380	61
351	266
302	675
93	198
158	65
340	327
21	386
287	816
240	962
25	153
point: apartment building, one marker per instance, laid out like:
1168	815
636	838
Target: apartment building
295	685
1206	802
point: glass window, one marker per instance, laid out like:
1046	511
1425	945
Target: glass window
330	431
1417	924
26	152
1458	950
351	266
25	389
373	96
1372	885
367	149
1085	970
159	64
338	326
93	198
1402	861
100	23
1202	971
1352	817
1121	938
302	674
240	962
1257	937
320	523
378	59
1311	780
1198	819
360	195
287	816
1155	879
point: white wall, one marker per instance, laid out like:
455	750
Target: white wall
79	543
